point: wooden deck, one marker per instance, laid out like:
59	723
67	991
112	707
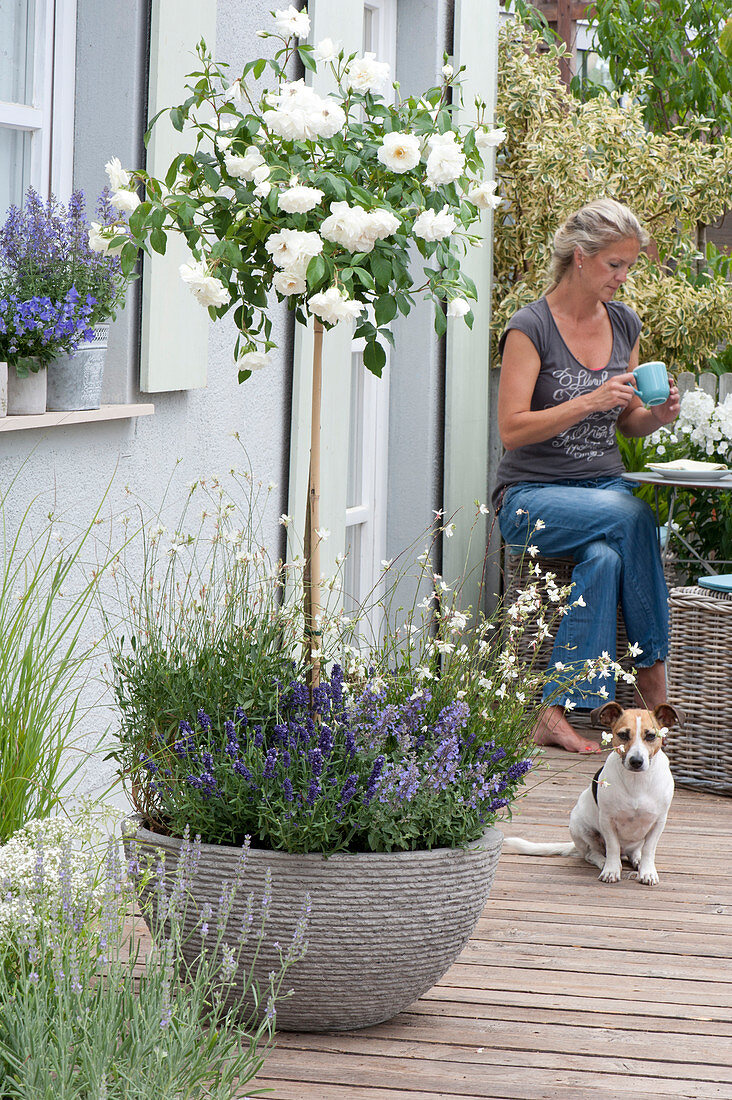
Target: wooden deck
569	989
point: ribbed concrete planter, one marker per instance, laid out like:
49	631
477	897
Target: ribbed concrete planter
383	929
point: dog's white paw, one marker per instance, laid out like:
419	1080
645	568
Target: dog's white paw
610	873
648	876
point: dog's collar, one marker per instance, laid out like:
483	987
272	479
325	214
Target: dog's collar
595	784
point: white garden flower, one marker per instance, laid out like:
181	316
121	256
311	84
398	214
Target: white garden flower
489	139
484	196
299	199
447	71
346	225
446	160
244	167
379	224
233	93
125	200
399	152
366	74
293	249
432	225
458	307
204	287
118	177
291	22
289	282
253	360
101	237
260	178
300	114
332	306
285	520
327	50
323	533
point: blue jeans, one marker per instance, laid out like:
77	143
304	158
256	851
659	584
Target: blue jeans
613	539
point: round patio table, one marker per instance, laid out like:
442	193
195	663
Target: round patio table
658	481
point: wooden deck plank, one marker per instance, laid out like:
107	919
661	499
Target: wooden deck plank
569	988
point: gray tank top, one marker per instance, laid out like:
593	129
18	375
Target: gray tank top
584	450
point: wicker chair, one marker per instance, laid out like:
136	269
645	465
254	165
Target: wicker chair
700	683
516	576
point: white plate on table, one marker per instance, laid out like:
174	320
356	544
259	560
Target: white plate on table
700	474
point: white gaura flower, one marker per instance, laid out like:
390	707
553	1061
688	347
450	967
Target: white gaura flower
399	152
289	282
285	520
431	225
253	360
125	200
446	160
101	237
118	177
489	139
484	196
293	249
333	306
366	74
299	199
458	307
204	287
323	533
290	21
244	167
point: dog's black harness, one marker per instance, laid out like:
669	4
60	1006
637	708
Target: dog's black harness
595	778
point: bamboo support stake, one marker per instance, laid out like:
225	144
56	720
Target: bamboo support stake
313	626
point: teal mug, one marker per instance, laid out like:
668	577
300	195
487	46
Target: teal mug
652	382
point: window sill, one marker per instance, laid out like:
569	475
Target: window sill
63	419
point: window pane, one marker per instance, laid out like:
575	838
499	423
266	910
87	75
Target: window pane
15	165
17	21
369	29
352	594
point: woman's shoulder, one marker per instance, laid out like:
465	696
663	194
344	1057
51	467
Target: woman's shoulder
533	320
625	318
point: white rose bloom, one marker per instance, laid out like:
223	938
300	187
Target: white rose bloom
327	50
205	288
333	306
446	161
347	225
234	94
381	223
260	176
244	167
117	176
293	249
290	21
299	199
489	139
100	239
458	307
447	71
399	152
366	74
125	200
253	360
432	226
329	119
289	282
483	195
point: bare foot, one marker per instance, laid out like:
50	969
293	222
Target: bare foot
553	728
650	685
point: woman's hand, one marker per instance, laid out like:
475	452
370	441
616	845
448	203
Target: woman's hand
671	407
640	421
617	391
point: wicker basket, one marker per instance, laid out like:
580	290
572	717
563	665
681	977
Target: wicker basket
700	683
516	578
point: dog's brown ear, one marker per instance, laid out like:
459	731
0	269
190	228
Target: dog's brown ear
606	714
667	715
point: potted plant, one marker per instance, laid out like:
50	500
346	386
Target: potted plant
376	799
57	293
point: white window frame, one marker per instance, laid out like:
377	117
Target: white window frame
50	116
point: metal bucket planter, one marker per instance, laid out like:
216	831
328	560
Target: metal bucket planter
3	389
383	928
75	381
27	394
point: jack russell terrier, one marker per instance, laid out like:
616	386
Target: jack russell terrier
623	811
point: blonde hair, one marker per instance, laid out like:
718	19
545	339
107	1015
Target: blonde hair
596	226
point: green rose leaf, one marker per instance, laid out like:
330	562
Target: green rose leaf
374	357
385	309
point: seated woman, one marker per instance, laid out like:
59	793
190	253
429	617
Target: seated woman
565	386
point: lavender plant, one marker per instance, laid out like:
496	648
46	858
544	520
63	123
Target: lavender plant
55	284
86	1012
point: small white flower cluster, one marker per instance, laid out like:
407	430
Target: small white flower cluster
702	423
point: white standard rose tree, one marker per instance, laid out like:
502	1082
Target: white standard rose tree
319	199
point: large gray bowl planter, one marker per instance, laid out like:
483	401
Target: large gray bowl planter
383	929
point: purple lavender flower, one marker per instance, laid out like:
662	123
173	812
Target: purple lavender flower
269	764
374	778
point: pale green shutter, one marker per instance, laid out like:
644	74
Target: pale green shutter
475	45
342	21
174	351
